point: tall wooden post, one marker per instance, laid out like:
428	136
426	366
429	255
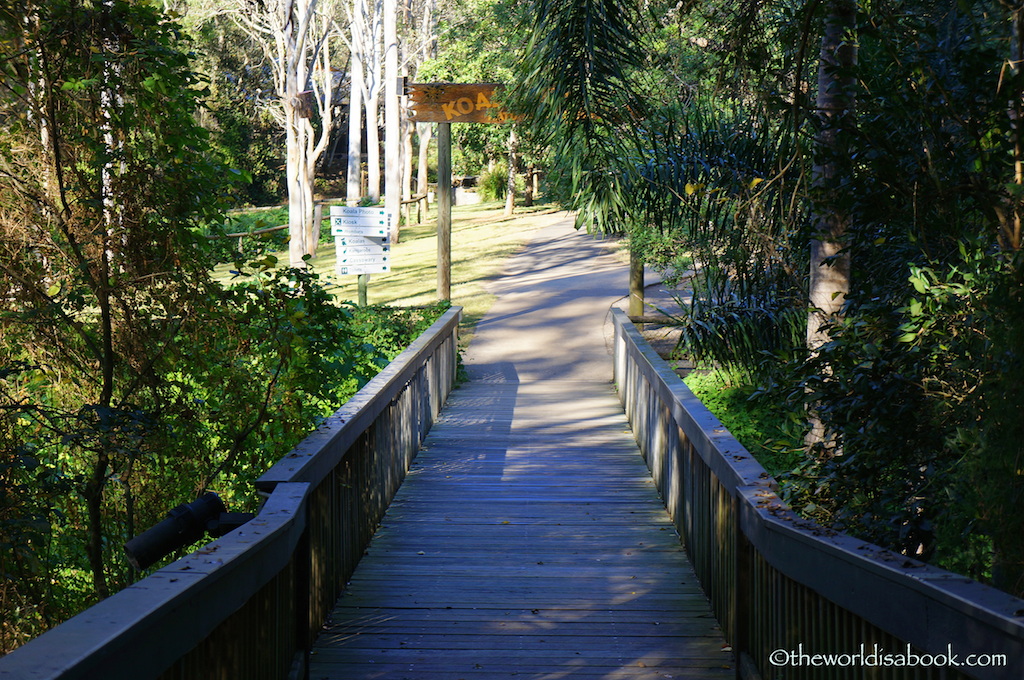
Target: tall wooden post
444	211
444	104
636	285
362	286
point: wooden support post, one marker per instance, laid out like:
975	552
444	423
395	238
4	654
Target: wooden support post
318	222
362	282
744	608
444	211
636	285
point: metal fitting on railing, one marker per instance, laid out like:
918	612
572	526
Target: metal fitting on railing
184	525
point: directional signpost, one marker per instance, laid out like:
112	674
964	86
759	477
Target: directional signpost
361	243
447	103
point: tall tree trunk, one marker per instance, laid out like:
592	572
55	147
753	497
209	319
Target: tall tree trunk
407	156
392	118
372	148
97	482
422	180
1010	236
373	73
316	145
510	192
354	185
312	234
298	200
829	280
829	267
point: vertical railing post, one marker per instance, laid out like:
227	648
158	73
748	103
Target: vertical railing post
743	606
303	592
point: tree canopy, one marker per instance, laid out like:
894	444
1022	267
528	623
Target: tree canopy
838	182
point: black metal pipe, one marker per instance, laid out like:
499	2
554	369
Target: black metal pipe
185	524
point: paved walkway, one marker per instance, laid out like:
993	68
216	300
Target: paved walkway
528	540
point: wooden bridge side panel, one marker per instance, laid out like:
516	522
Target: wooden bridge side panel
777	582
527	541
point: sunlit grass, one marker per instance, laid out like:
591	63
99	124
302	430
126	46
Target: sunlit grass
482	239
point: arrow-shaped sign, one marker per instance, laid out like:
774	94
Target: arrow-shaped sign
361	255
360	230
374	222
366	249
349	211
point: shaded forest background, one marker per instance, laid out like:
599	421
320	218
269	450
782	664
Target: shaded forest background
748	149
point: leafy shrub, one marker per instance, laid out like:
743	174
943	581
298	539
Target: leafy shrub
755	421
258	366
493	183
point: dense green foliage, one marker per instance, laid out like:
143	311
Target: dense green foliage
754	420
241	129
917	388
130	380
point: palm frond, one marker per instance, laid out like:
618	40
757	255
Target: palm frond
577	96
719	183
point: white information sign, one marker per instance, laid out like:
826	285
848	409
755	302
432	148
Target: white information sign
359	221
347	270
361	240
351	230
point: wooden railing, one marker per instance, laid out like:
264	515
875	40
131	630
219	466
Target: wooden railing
422	203
248	605
785	589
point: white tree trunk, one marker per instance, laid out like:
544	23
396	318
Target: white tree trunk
297	173
294	34
373	147
392	118
425	131
407	156
374	70
354	186
829	267
829	276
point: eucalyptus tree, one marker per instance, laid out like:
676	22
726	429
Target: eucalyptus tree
300	41
367	47
829	273
419	43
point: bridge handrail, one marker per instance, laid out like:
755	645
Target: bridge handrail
777	581
249	604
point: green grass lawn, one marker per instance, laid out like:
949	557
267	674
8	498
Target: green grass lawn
482	239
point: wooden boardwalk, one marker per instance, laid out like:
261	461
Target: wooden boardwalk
527	542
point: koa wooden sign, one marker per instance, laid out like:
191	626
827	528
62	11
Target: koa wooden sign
455	103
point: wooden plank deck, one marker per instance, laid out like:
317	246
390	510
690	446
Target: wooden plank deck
527	542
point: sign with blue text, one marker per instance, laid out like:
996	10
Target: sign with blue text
361	240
